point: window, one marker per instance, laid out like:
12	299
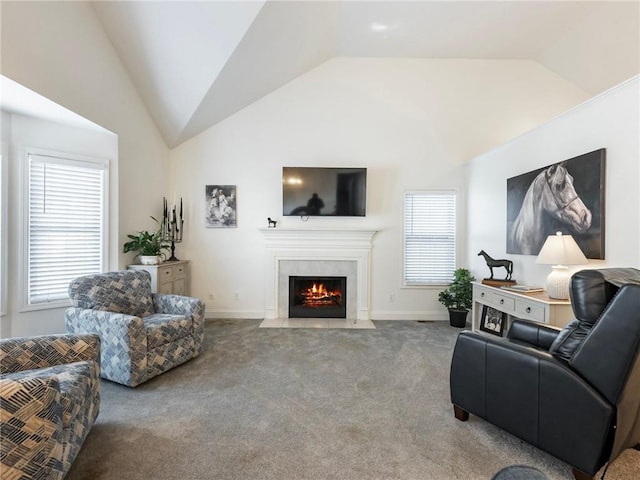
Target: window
66	224
429	237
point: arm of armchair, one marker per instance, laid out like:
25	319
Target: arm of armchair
37	429
28	353
178	305
123	342
188	306
533	333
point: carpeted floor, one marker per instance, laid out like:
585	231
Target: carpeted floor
306	404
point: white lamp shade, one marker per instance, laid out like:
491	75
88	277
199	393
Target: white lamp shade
557	250
561	249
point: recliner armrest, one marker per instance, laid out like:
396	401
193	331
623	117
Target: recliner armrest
537	334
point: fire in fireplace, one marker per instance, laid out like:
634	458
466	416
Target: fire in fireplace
317	297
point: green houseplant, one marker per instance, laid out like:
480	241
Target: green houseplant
147	245
458	297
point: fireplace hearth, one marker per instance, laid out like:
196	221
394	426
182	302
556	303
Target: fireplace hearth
317	297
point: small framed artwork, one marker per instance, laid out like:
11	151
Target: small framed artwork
492	321
220	206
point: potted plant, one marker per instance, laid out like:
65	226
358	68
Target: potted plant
458	297
147	245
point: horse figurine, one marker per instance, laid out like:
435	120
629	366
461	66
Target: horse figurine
550	197
272	223
491	263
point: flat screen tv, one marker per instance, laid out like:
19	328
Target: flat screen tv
324	191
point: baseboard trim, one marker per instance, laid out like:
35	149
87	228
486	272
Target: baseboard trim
396	315
410	315
235	314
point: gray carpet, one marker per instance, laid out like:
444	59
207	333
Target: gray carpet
306	404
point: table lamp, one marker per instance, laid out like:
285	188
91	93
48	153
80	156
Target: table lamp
560	250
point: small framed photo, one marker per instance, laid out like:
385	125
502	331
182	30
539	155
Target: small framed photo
220	206
492	321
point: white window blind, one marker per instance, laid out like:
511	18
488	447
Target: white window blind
429	237
66	228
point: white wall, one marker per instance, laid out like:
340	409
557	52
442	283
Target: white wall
611	121
413	123
66	56
59	50
35	133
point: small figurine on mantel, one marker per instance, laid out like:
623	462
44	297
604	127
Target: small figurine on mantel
272	223
491	263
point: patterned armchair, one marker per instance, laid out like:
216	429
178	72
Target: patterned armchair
49	400
142	334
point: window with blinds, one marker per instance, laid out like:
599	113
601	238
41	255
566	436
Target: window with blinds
429	237
66	232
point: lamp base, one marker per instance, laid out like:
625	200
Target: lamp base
558	283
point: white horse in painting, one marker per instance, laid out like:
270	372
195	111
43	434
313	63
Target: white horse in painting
551	196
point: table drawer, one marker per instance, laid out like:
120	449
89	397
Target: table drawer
502	302
506	304
165	274
179	271
530	311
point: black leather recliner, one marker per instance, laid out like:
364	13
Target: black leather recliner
572	392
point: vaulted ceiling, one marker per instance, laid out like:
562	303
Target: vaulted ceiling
196	63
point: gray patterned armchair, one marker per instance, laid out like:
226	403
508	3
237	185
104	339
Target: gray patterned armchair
49	400
142	334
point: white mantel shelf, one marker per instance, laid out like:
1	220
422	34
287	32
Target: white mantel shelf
328	245
313	238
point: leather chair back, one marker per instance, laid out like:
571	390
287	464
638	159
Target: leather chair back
592	290
609	356
609	351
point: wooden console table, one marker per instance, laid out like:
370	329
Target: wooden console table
537	306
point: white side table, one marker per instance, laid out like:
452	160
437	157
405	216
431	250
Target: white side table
536	306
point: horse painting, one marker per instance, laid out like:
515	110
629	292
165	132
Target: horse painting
491	263
551	198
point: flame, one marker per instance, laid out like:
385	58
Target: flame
318	292
318	289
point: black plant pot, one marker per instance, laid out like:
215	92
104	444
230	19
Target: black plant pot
458	318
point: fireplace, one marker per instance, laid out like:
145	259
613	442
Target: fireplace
317	297
319	253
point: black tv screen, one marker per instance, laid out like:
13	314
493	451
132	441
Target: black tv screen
316	191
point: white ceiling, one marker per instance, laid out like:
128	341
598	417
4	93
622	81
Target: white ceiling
15	98
196	63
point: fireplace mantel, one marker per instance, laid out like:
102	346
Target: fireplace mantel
327	245
310	238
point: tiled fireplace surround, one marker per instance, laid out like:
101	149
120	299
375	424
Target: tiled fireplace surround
310	252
